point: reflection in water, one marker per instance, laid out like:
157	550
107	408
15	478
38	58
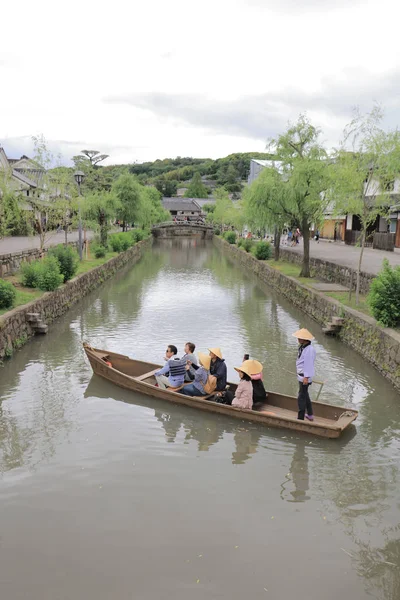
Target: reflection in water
64	442
246	441
14	441
207	430
298	478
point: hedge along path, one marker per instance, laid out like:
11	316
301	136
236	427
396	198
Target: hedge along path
15	330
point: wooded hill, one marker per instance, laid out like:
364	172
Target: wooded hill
170	173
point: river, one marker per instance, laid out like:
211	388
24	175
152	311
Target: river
105	493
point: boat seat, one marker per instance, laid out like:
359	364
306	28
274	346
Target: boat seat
146	375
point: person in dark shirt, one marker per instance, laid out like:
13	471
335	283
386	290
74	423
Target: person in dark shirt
218	368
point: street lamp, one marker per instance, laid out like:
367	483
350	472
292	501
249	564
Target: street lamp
79	177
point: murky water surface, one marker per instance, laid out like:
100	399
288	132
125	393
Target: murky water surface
109	494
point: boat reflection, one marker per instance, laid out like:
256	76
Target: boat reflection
206	429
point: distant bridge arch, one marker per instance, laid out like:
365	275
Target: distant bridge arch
170	229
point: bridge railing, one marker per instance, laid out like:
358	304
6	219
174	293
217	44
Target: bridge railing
180	223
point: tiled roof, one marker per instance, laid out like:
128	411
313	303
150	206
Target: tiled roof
188	204
23	178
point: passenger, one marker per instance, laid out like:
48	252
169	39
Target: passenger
305	372
255	369
189	356
173	372
201	374
244	392
218	368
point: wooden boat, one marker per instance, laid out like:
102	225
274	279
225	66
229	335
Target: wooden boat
277	411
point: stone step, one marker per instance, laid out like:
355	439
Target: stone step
33	317
329	331
41	327
332	327
338	321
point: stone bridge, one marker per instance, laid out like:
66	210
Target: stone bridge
184	229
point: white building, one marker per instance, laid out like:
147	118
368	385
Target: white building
22	175
257	165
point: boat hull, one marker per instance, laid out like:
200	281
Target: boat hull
280	410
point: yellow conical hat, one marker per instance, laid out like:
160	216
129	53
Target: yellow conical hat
216	351
303	334
251	367
205	360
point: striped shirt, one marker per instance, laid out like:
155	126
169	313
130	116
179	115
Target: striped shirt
176	367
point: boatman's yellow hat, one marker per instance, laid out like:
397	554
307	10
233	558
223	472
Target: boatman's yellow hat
303	334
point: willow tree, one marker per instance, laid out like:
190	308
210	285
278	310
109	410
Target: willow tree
226	213
304	167
266	204
128	191
151	209
365	168
98	210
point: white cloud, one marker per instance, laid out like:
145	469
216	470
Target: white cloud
190	79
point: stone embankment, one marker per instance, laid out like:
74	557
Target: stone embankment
11	263
378	345
330	271
16	327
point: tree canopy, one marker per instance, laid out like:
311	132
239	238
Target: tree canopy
128	191
364	168
197	189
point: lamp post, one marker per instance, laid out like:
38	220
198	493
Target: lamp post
79	177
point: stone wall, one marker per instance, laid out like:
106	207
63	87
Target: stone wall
379	346
329	271
11	263
14	327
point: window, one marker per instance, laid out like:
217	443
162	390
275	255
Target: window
389	186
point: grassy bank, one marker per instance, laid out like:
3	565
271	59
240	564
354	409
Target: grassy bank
24	295
292	270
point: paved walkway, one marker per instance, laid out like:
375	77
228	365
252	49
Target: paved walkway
348	256
16	244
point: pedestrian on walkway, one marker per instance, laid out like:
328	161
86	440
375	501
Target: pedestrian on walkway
305	372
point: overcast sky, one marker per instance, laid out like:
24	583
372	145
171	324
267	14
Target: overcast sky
147	80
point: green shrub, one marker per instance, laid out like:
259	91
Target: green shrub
384	296
262	251
29	273
230	237
43	274
7	294
48	274
115	242
120	242
100	251
68	260
126	242
217	231
138	235
247	244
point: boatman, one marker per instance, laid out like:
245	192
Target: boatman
305	372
